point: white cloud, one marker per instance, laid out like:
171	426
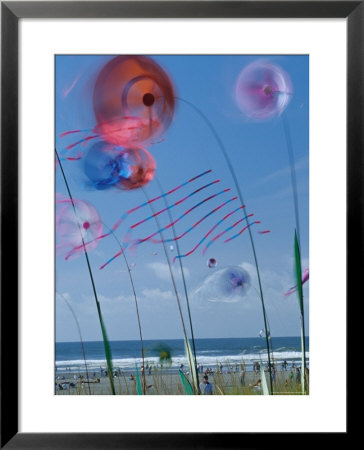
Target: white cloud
300	165
156	294
162	271
65	295
281	309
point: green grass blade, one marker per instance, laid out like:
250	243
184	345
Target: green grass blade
298	272
186	384
103	329
138	383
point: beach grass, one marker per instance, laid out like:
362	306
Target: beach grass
168	382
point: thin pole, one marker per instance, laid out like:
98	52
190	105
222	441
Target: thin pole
171	273
135	299
293	174
80	335
230	166
98	307
292	165
183	275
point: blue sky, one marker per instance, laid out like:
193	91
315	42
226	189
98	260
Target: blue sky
259	154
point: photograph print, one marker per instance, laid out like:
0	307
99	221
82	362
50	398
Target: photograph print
182	224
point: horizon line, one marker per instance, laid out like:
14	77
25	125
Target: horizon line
174	339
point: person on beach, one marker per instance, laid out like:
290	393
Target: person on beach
291	376
257	386
298	375
242	377
205	386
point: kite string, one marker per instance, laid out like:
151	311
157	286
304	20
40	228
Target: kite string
176	238
140	241
173	205
203	239
241	231
217	236
130	211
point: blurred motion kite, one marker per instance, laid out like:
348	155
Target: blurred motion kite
263	90
77	222
227	285
305	278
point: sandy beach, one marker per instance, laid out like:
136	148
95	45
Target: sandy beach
169	383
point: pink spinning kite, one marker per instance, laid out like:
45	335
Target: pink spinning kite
263	90
305	278
133	100
133	103
74	224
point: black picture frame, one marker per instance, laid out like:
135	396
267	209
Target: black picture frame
11	12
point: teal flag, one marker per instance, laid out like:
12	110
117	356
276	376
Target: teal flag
138	383
186	384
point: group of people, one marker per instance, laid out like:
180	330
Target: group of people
200	369
64	386
295	374
147	367
256	367
220	368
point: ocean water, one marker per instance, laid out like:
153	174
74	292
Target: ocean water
126	354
